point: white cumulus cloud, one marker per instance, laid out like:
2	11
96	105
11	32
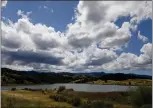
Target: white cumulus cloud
88	44
141	37
3	3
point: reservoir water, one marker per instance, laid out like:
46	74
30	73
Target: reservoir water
75	87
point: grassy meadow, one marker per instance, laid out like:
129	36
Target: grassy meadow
28	98
67	98
133	82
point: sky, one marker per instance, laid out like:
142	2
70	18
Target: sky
77	36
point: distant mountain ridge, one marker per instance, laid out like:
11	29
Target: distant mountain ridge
92	73
79	73
103	73
10	76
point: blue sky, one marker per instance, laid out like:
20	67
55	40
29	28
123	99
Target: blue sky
63	11
58	14
135	44
62	14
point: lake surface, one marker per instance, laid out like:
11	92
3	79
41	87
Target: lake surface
76	87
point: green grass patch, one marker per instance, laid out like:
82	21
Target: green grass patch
141	97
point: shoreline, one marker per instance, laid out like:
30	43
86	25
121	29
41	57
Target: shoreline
69	83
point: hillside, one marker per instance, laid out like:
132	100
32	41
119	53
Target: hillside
9	76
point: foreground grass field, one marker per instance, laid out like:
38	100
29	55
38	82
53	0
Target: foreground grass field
134	82
36	99
67	98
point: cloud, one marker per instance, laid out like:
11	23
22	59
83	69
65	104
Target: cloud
4	3
18	67
118	39
7	37
107	35
52	10
23	14
101	56
124	62
94	23
88	44
141	37
29	56
33	43
129	61
46	8
43	7
19	12
89	11
146	56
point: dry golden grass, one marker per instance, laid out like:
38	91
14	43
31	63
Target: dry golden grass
137	82
40	99
118	99
36	97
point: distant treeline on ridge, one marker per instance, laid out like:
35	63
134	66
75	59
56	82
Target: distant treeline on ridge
9	76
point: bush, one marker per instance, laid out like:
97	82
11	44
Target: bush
70	89
13	89
76	101
147	106
97	104
25	89
141	96
58	98
29	89
44	92
105	80
60	89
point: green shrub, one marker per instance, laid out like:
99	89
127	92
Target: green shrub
58	98
141	96
69	89
105	80
44	92
13	89
96	104
60	89
69	100
86	102
76	101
